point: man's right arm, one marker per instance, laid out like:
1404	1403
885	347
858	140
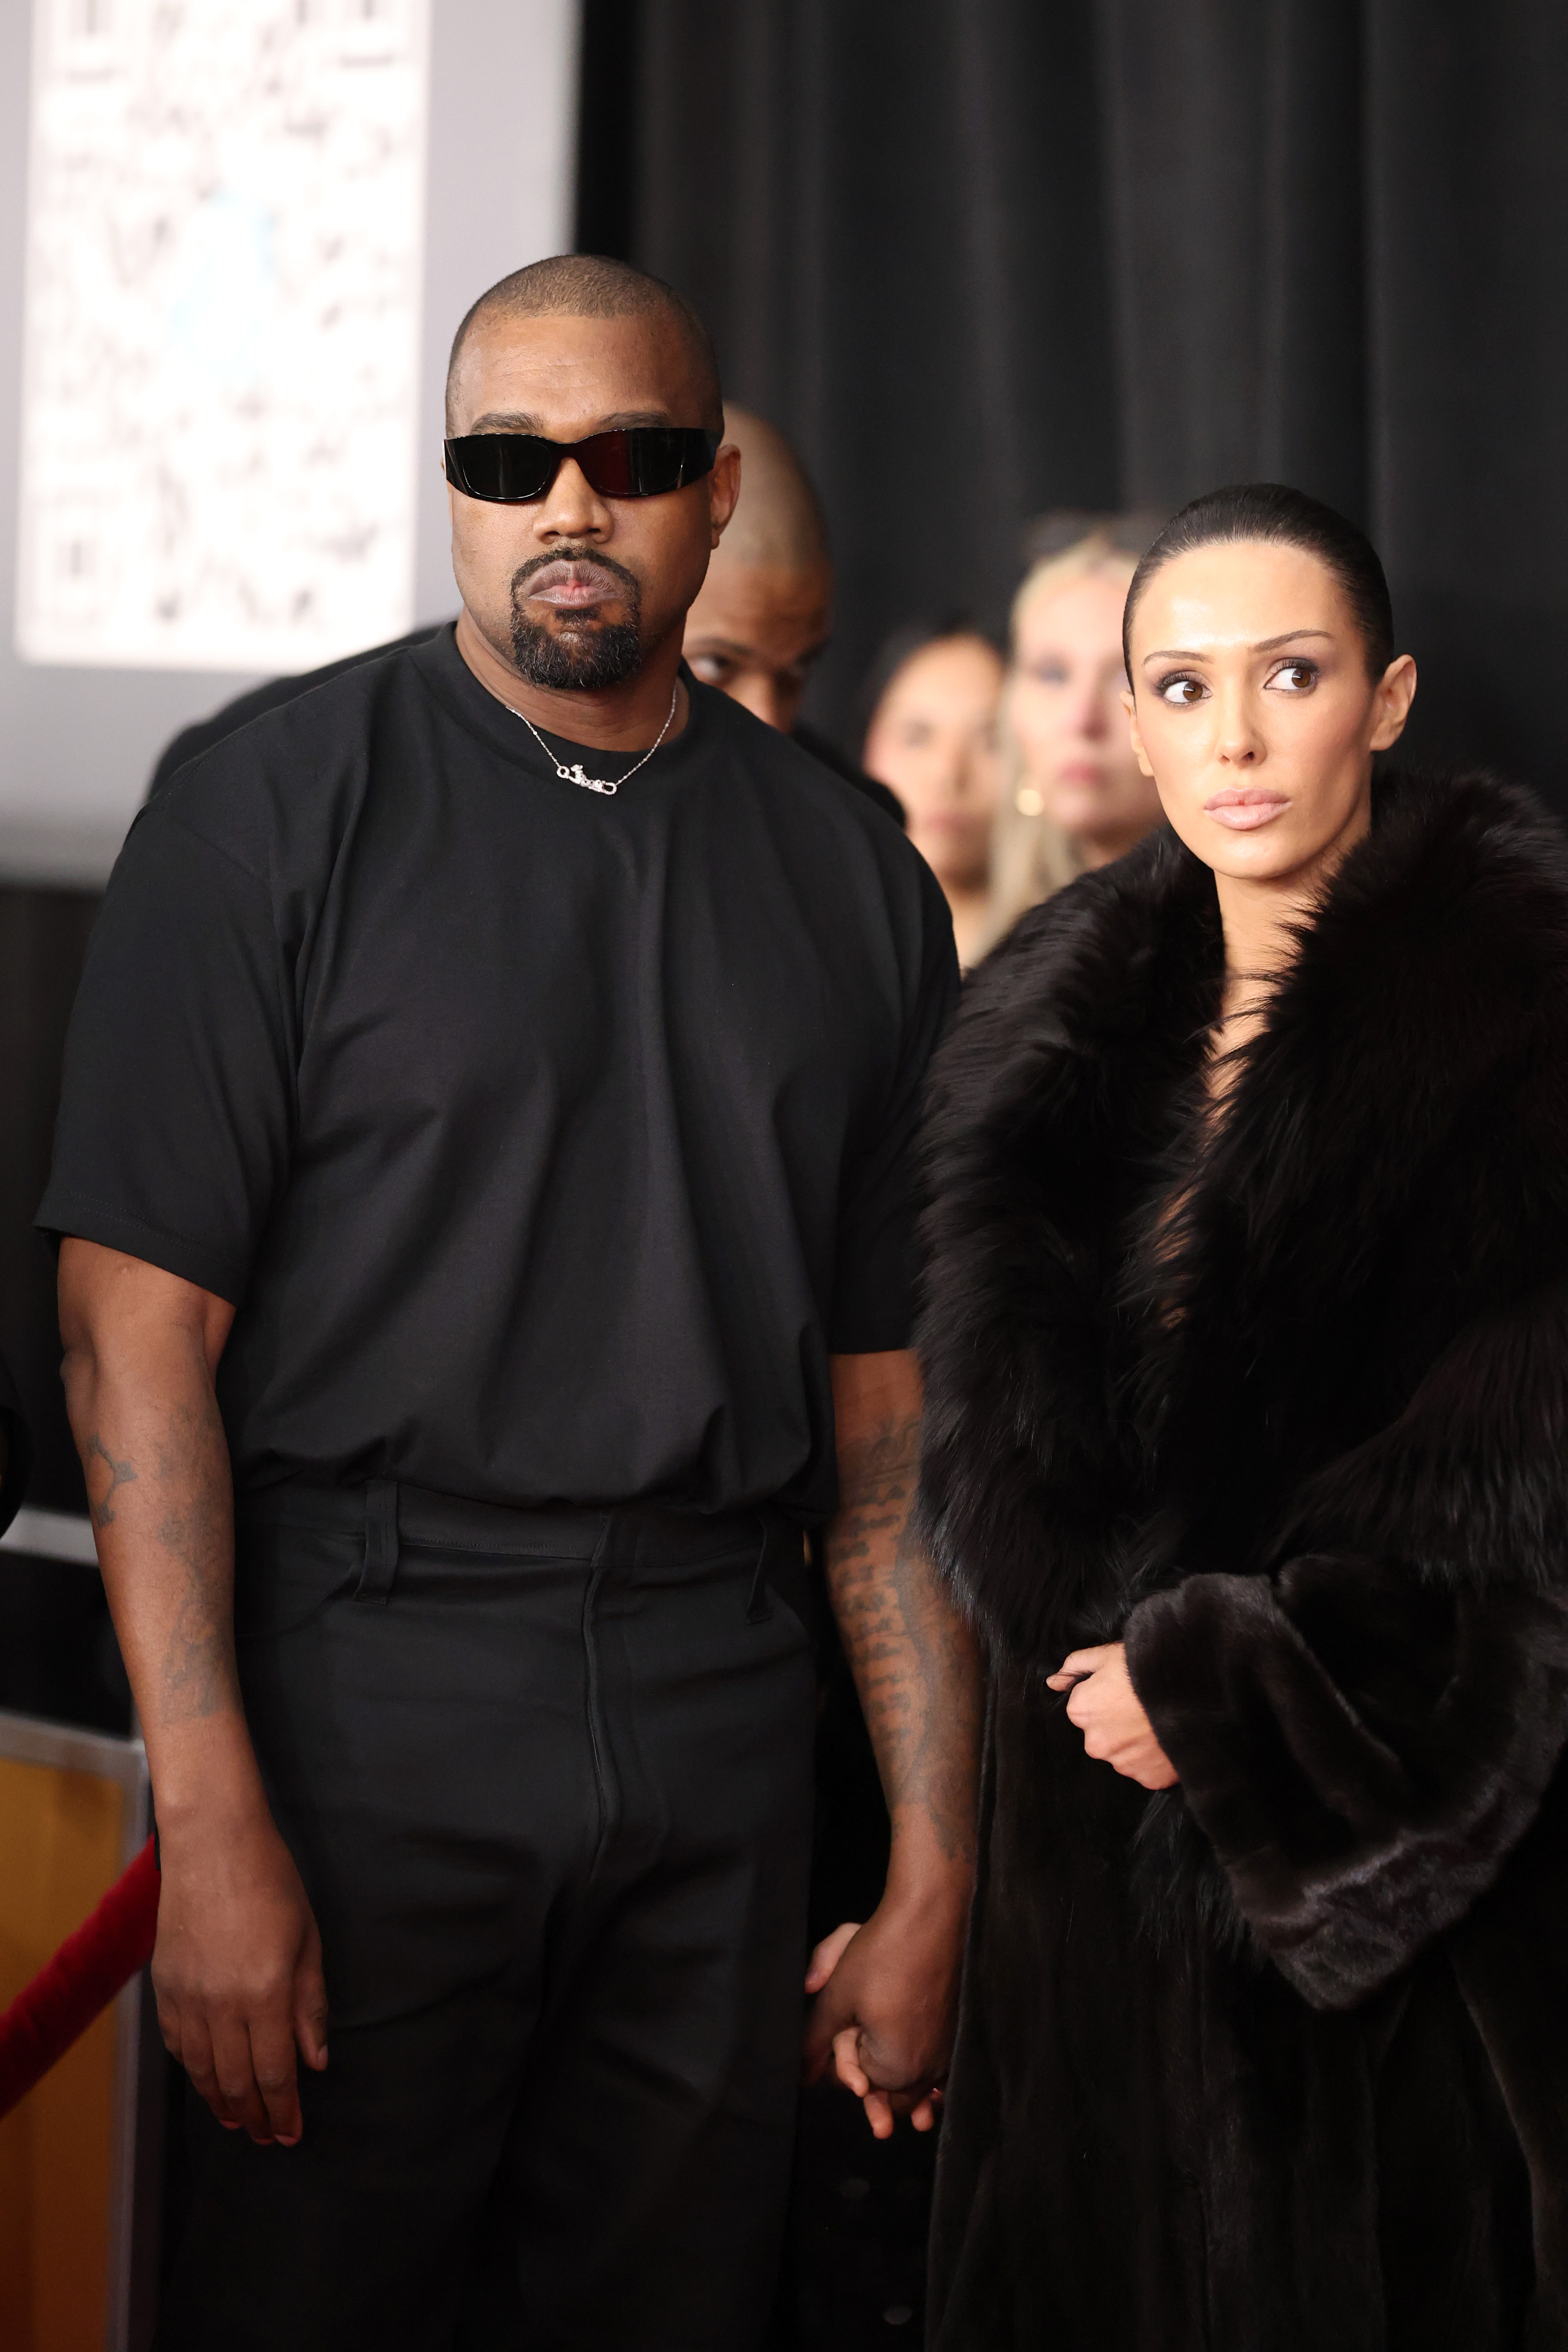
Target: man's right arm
238	1968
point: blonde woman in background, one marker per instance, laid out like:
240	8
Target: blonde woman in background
1074	796
930	736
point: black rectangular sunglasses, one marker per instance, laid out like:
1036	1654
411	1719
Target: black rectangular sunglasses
643	461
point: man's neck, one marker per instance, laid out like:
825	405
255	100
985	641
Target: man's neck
625	718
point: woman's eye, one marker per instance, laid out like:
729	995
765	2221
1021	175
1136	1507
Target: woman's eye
1048	673
1182	691
1295	678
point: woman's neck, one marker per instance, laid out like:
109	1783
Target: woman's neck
1261	917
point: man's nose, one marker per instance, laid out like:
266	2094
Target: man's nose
571	508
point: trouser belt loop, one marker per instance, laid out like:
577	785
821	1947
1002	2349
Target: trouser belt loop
760	1607
380	1569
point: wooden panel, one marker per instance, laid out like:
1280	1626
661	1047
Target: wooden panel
62	1836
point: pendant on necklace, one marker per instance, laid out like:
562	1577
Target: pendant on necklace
573	775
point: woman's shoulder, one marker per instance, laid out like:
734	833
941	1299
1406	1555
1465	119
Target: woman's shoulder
1079	975
1452	919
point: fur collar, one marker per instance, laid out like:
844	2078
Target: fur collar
1153	1348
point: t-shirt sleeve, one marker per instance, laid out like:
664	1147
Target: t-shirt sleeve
874	1287
175	1117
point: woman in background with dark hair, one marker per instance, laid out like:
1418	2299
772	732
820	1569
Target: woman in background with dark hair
931	737
1246	1356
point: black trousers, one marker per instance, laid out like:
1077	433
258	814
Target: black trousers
548	1780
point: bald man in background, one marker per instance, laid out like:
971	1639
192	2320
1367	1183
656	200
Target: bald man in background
764	616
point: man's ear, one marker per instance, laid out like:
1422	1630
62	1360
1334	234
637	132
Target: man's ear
724	487
1129	704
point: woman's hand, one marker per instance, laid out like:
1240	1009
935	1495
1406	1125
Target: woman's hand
1107	1710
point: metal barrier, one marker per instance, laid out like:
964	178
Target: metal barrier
82	2155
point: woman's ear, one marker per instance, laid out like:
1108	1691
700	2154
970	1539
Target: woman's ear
1129	705
1391	702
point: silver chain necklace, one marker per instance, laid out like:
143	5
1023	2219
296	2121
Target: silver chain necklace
573	774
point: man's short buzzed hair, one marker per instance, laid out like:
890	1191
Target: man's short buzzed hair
588	286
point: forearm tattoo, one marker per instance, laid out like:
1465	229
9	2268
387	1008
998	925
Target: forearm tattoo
914	1662
120	1473
188	1501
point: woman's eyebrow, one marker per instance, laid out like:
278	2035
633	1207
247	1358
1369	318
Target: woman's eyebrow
1263	646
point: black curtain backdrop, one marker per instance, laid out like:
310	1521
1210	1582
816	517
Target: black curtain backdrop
986	257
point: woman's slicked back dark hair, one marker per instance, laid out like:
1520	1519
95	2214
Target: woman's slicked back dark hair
1282	518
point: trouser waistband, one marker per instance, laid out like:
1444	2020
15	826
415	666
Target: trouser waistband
391	1514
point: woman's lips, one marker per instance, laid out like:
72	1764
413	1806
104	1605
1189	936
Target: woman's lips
1245	810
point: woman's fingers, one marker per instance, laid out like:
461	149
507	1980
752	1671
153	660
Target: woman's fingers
828	1954
846	2062
1078	1664
879	2114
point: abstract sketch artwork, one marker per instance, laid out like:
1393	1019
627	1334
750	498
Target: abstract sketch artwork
221	371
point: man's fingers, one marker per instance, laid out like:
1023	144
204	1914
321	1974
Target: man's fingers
169	2026
272	2060
195	2055
879	2114
235	2071
828	1954
310	2003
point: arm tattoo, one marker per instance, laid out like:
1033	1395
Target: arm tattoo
120	1473
913	1660
199	1662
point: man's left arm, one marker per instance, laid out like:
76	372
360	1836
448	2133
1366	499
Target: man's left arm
887	1991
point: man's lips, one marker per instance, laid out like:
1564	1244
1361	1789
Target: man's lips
570	587
1241	809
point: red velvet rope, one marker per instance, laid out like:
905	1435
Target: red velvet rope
68	1991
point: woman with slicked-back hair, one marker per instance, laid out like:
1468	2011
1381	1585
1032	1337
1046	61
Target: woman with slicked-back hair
1245	1346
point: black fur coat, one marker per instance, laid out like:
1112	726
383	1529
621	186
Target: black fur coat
1276	2060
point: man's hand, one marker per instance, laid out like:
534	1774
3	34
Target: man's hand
238	1968
237	1974
887	1992
1109	1714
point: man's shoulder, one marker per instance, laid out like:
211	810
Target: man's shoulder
274	790
824	788
278	694
839	763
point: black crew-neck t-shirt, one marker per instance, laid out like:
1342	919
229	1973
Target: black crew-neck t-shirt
547	1142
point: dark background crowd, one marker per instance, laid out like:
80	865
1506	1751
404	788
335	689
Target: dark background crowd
1016	278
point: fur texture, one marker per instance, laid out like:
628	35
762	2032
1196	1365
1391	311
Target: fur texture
1282	1403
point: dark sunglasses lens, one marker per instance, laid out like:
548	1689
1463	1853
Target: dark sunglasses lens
609	463
511	467
646	460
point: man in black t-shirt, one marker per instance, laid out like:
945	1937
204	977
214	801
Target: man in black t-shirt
482	1171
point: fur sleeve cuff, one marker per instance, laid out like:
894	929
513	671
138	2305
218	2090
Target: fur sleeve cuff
1362	1750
